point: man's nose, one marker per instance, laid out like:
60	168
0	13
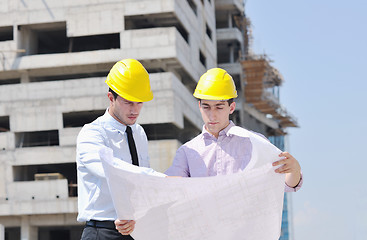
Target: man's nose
134	108
212	115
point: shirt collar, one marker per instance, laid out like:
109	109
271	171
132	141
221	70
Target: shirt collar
116	124
223	132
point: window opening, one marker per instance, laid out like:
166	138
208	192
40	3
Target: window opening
35	139
202	58
155	21
9	81
6	33
208	31
4	124
78	119
193	6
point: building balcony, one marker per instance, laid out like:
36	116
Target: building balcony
232	68
229	44
229	5
162	43
228	35
38	197
43	155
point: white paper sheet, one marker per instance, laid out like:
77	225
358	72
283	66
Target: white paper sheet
246	205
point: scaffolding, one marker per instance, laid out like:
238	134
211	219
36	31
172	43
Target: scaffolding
244	24
262	82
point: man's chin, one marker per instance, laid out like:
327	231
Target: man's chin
212	130
130	121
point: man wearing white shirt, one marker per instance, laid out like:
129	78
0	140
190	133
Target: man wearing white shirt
129	87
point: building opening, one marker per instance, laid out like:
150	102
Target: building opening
155	21
6	33
35	139
78	119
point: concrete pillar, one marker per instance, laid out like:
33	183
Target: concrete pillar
231	53
28	232
2	232
24	77
230	23
28	40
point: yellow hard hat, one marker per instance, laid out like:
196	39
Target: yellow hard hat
129	79
215	84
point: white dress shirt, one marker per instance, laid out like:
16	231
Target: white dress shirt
94	201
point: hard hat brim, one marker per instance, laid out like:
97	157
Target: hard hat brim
209	97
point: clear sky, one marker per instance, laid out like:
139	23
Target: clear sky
320	47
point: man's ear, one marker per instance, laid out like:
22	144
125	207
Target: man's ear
232	107
110	96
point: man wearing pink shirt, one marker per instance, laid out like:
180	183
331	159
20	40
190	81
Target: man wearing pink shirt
216	151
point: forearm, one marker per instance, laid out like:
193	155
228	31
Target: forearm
290	166
292	179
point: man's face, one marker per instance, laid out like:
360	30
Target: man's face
124	111
215	115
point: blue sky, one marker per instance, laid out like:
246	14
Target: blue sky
320	47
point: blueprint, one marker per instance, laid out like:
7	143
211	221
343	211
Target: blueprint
246	205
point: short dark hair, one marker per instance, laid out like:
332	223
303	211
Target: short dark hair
230	101
113	93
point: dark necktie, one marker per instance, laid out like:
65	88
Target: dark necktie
132	147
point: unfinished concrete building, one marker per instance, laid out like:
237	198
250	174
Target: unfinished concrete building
54	57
